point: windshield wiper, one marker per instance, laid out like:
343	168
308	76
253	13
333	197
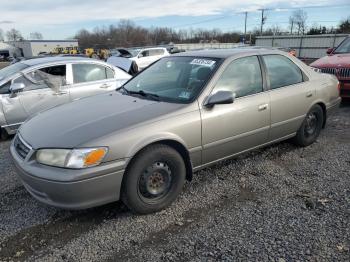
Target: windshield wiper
140	92
145	94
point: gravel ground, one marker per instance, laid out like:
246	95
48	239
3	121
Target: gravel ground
280	203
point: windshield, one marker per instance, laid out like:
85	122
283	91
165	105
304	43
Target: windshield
11	70
344	47
173	79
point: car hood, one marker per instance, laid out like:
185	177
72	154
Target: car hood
82	121
335	60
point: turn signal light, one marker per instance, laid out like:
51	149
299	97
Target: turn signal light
94	157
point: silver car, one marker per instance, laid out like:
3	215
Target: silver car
31	86
185	112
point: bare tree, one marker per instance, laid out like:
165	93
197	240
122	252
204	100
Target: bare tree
299	18
128	34
36	36
14	35
291	24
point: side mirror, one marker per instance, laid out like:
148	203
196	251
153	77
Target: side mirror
329	51
16	87
140	55
221	97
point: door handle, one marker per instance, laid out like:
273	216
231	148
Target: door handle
60	93
309	95
263	107
105	86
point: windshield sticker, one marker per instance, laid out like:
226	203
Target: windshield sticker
185	94
203	62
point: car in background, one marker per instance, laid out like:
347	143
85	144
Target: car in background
337	62
181	114
30	86
146	56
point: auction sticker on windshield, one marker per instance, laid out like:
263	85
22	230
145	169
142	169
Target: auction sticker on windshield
203	62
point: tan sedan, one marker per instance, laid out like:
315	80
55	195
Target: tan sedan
183	113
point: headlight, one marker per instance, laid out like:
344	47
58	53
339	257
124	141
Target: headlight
318	70
75	158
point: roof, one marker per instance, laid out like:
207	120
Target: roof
4	46
226	53
53	59
47	41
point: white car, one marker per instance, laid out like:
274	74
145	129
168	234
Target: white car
146	56
34	85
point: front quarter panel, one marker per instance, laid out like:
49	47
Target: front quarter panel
183	126
2	116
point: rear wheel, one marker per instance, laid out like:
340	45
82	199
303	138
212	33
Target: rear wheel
311	127
154	179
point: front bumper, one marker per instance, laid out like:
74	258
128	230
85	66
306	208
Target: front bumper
102	185
345	88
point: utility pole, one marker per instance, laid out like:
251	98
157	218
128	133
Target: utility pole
263	19
245	25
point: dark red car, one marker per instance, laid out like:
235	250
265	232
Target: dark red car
337	62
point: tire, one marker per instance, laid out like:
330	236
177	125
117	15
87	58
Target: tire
3	134
153	180
310	128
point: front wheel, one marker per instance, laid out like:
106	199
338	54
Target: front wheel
311	127
3	134
154	179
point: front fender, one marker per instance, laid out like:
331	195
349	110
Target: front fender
2	115
154	138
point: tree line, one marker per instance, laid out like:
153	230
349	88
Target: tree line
128	34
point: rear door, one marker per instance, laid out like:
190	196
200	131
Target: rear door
291	95
232	128
91	79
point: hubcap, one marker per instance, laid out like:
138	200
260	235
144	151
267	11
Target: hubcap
155	181
311	124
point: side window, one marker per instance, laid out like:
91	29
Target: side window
109	73
89	73
5	88
155	52
145	53
282	71
47	77
242	77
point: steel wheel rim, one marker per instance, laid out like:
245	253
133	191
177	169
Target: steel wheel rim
155	182
311	124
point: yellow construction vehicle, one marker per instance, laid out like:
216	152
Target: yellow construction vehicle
57	51
97	53
72	50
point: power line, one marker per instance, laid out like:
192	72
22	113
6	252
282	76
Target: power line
272	9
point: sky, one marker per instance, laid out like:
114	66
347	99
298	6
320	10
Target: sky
61	19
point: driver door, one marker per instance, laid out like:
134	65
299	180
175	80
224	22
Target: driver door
144	59
44	88
229	129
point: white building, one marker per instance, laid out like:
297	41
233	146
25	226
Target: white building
30	48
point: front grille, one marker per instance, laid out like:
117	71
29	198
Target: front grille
339	72
21	148
344	72
331	71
